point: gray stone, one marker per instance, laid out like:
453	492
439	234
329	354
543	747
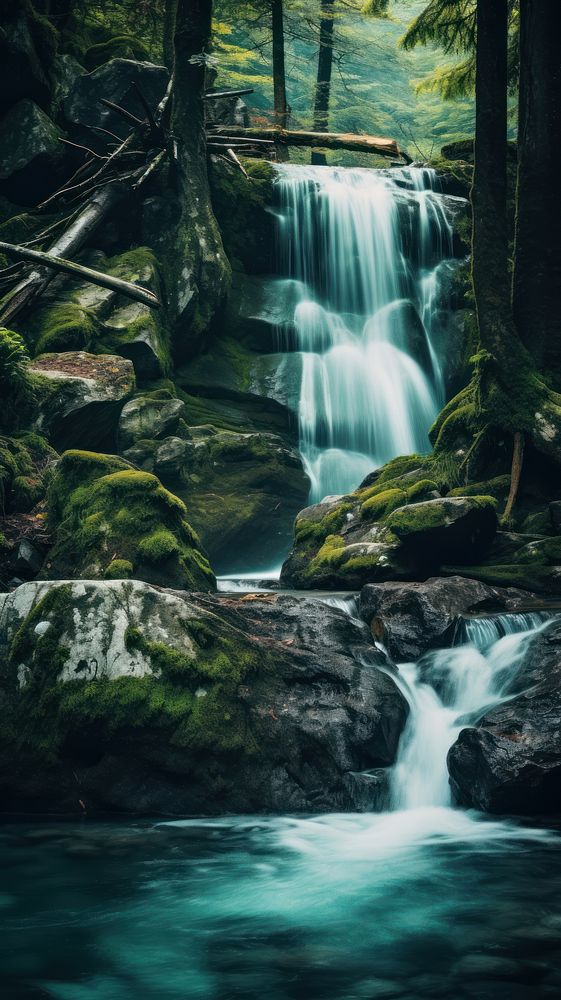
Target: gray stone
30	153
82	397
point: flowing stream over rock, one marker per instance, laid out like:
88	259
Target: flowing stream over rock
365	247
421	901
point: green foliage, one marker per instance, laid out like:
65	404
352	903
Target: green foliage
26	462
16	387
119	569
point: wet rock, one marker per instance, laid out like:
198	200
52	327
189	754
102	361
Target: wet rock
411	618
27	45
81	397
457	529
294	701
396	526
511	763
115	81
28	560
148	418
30	153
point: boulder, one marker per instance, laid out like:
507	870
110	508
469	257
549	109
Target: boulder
451	529
511	763
78	315
396	526
243	209
30	153
114	81
243	491
411	618
149	417
161	702
27	49
81	396
111	520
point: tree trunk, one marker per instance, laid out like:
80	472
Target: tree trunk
279	73
196	268
489	191
537	262
170	13
326	140
325	67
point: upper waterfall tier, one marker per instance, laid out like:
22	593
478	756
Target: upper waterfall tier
365	246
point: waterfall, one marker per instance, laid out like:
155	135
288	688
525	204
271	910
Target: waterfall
448	690
365	246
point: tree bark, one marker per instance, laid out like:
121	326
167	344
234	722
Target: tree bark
489	192
279	71
170	14
196	269
537	261
325	140
119	285
325	67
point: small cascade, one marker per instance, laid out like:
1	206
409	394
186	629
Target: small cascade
450	689
348	603
365	247
483	632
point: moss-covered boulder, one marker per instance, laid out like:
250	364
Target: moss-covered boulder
243	491
158	702
396	526
105	512
80	397
82	316
28	44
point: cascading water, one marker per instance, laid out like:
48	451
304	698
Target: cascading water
365	247
450	689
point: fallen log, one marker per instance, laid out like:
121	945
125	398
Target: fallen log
316	140
136	292
68	244
214	95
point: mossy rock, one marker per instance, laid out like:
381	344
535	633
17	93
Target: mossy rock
241	206
177	703
396	526
104	511
26	467
86	317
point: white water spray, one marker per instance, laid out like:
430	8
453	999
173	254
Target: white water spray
448	690
365	246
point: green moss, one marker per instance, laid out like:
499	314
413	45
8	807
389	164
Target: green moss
26	463
421	490
546	552
118	569
309	532
422	517
64	326
539	523
105	511
158	546
539	578
118	47
240	206
382	503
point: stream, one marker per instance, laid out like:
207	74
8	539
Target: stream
418	900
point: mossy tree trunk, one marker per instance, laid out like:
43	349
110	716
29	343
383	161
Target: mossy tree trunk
537	266
168	46
199	267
